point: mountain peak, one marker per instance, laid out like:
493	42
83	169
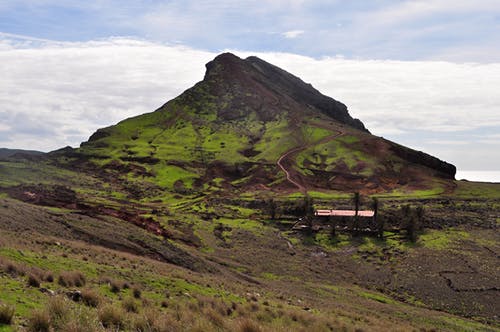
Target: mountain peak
276	89
224	63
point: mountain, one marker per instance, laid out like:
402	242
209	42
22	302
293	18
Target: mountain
199	217
16	153
251	126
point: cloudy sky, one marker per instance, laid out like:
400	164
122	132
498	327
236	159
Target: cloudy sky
423	73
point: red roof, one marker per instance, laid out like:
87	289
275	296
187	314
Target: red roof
344	213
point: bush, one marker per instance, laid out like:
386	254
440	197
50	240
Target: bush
214	317
71	279
58	310
49	277
90	298
39	321
83	320
6	314
111	317
33	281
136	292
130	305
14	269
247	325
114	286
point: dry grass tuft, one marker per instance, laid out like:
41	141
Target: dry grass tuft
33	281
130	305
214	317
112	317
115	286
90	297
49	277
39	321
6	314
58	309
247	325
83	320
136	292
71	279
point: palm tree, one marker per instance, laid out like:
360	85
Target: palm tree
356	200
380	222
410	219
271	204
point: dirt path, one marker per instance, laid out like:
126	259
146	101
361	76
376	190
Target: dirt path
299	148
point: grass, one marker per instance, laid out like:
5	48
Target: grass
194	300
167	175
466	189
442	239
275	141
6	314
337	152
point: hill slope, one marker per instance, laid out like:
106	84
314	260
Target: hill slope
229	130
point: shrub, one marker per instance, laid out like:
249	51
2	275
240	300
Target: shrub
90	298
148	322
130	305
247	325
114	286
49	277
6	314
71	279
83	320
33	281
111	317
136	292
39	321
58	310
14	269
215	318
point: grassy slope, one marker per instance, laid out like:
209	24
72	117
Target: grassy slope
194	300
351	303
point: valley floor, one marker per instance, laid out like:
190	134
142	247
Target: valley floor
229	267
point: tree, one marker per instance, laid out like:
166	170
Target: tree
308	206
308	211
378	221
420	216
356	200
272	208
410	219
332	222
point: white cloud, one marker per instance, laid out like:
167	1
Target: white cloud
56	94
83	86
292	33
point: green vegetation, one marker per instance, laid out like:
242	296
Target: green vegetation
443	239
466	189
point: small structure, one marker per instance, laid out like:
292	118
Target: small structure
349	220
344	213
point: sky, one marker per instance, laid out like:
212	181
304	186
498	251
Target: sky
422	73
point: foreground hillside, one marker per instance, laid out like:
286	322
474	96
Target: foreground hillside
200	217
242	271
